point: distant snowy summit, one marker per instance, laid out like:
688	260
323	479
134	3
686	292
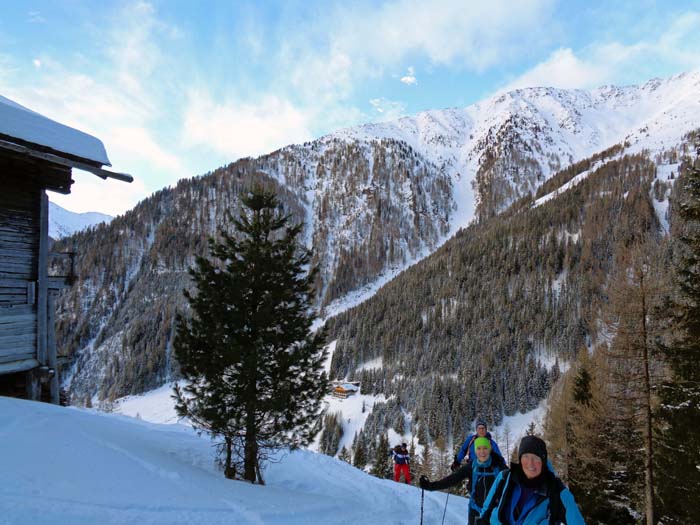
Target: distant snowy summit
63	223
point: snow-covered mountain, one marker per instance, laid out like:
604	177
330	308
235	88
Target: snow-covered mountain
374	199
441	169
63	223
514	141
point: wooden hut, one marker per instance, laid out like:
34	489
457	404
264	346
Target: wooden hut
36	155
345	389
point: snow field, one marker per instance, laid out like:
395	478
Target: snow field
76	466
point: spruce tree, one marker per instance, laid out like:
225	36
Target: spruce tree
359	451
382	459
678	451
254	368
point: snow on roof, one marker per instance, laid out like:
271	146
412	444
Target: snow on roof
26	125
349	386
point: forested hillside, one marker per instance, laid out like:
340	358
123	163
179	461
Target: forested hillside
365	206
623	420
483	326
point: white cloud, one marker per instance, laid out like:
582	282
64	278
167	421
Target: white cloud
474	35
562	69
91	193
240	129
674	49
410	78
324	66
37	63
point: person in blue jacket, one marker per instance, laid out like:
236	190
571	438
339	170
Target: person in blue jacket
530	493
467	449
480	473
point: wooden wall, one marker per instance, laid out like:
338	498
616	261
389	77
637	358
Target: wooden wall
20	210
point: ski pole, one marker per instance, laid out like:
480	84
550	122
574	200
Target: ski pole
422	494
445	511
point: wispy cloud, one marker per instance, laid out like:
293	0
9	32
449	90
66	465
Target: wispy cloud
387	110
122	98
243	129
36	17
450	32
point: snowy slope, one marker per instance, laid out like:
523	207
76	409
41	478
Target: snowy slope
157	406
63	223
69	466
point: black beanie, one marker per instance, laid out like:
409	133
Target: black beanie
533	445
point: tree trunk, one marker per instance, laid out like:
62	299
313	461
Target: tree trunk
648	463
251	448
229	470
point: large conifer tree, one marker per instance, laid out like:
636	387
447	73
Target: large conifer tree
254	368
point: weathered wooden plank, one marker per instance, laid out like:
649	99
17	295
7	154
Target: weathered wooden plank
18	349
18	328
17	272
15	254
7	282
11	268
24	354
10	226
16	314
13	298
19	233
21	242
14	290
18	366
18	219
16	340
16	310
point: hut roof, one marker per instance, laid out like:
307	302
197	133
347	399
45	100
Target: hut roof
26	131
19	122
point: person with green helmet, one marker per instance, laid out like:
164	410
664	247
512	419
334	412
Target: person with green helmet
480	473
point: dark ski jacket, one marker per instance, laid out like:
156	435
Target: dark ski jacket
550	502
467	449
479	476
401	456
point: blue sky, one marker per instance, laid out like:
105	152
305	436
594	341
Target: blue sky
177	88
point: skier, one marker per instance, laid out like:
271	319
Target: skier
401	463
530	493
467	449
480	473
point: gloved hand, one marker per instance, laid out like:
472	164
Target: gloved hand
424	482
455	465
